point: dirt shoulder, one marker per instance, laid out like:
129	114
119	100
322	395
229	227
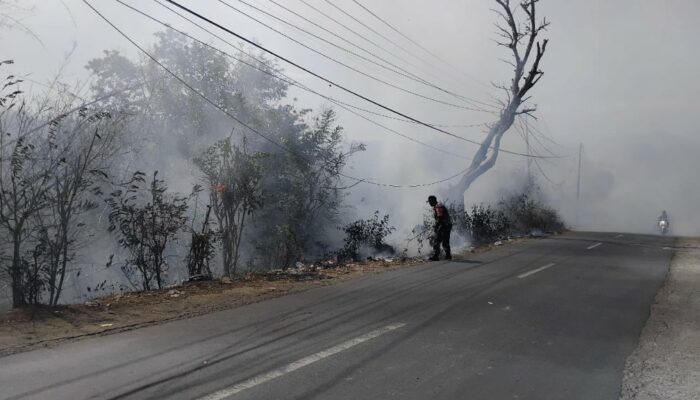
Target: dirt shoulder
27	329
22	330
666	364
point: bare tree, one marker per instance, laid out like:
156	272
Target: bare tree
521	38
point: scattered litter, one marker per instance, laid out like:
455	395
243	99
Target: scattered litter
198	278
226	280
299	265
92	303
498	243
490	302
175	293
105	325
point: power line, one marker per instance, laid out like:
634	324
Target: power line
378	33
288	80
255	131
383	21
333	83
356	70
373	30
525	134
544	136
396	69
321	12
525	130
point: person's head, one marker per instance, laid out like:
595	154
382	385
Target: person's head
432	200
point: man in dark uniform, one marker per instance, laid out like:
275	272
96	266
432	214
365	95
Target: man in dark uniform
443	227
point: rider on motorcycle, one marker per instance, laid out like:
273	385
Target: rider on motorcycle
663	222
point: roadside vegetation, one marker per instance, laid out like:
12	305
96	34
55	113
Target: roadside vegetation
191	164
523	214
151	182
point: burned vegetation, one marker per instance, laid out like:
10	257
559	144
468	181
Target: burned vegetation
151	184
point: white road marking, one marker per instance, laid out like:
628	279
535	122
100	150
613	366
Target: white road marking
594	246
534	271
276	373
619	236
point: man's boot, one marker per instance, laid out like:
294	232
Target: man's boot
435	257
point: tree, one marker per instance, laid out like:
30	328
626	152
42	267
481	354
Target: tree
146	219
233	176
82	158
527	51
25	174
202	250
301	191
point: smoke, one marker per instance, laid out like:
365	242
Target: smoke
620	79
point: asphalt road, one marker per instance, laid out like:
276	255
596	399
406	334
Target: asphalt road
547	319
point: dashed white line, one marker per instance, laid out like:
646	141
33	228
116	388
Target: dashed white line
276	373
534	271
594	246
619	236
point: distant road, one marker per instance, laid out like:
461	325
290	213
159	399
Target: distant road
546	319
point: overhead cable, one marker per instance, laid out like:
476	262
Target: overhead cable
279	76
383	21
411	75
333	83
345	65
250	128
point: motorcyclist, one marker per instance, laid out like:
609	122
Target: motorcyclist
443	227
663	222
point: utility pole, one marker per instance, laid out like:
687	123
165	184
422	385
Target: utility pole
578	184
529	158
578	181
530	178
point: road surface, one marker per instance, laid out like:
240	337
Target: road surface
547	319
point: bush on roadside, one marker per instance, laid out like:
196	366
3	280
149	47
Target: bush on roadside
521	214
366	237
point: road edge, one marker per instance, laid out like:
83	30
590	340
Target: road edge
666	363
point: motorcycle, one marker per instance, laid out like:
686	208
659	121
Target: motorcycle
663	226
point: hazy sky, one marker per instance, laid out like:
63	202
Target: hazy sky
621	77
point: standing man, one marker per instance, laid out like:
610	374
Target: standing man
443	227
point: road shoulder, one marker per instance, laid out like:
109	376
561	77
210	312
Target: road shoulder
666	363
28	329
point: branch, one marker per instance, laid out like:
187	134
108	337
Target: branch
535	74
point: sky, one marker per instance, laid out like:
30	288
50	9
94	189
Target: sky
620	77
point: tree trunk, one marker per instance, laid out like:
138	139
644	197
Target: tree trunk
18	298
487	155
